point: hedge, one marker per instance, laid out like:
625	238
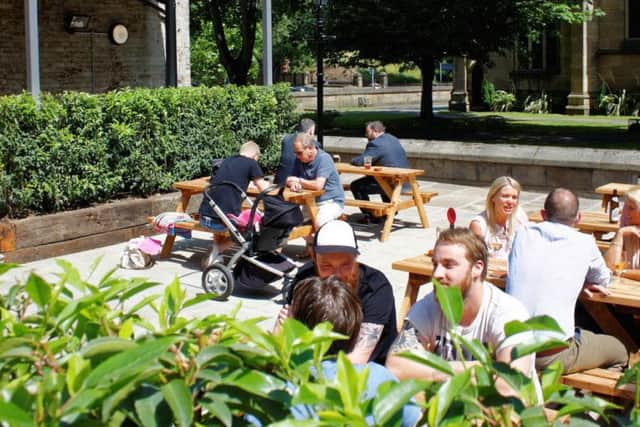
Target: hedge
78	149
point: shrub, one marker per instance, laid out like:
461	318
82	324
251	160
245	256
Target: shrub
497	100
537	105
76	353
78	149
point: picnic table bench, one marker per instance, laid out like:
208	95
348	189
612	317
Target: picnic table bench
198	185
600	381
391	180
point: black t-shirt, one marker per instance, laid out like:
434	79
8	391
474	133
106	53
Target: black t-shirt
376	297
239	170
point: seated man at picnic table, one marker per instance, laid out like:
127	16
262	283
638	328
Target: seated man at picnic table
315	170
550	264
240	169
287	156
460	259
335	251
384	150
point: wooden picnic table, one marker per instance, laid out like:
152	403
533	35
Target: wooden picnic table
606	191
391	181
596	223
624	292
196	186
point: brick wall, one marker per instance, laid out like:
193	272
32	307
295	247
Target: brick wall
88	61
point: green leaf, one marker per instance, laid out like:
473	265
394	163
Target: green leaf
105	346
129	362
535	344
17	347
430	359
177	395
4	267
533	417
390	400
218	409
256	382
126	329
15	416
537	323
450	301
151	407
197	300
71	275
77	368
550	380
38	290
447	393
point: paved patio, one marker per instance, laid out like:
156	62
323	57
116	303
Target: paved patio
407	239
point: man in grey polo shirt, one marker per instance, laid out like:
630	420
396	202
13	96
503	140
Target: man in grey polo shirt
314	170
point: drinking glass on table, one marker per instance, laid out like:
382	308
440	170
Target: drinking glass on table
367	162
618	268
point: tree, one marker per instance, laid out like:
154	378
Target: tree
235	55
421	32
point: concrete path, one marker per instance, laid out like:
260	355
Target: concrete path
407	239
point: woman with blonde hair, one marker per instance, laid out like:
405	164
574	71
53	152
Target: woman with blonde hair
624	252
502	217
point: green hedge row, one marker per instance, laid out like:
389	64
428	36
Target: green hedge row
78	149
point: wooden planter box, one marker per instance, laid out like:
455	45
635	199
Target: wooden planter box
46	236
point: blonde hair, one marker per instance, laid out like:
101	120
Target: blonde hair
497	185
250	149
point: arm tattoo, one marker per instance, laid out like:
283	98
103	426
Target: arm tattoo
369	336
407	340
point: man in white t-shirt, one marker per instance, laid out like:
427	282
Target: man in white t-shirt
460	259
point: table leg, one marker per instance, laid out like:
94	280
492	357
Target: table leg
183	203
602	315
605	202
167	246
391	211
410	296
313	210
417	199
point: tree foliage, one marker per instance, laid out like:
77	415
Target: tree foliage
422	32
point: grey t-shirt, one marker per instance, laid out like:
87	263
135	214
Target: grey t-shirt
322	166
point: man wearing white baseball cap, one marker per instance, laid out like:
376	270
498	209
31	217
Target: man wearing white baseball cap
335	251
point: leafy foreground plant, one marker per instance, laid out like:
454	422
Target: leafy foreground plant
76	353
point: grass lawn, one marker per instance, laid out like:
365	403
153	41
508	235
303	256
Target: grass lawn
512	128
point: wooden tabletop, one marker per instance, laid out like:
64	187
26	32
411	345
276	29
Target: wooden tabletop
199	184
607	189
624	291
592	222
383	171
423	265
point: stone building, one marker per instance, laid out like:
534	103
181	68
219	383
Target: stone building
93	46
570	63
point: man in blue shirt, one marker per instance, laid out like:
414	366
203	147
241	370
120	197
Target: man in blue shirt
550	265
287	157
384	150
314	170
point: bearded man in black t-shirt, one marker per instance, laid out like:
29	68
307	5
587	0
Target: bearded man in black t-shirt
335	251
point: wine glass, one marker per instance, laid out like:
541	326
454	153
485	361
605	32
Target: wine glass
495	245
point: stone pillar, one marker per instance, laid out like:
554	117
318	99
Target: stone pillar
183	47
358	79
582	73
385	79
459	96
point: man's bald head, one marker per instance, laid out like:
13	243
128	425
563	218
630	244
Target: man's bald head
561	205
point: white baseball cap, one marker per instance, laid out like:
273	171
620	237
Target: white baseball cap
335	236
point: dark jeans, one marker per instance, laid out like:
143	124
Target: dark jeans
363	187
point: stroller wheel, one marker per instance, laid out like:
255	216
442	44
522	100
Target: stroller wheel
218	280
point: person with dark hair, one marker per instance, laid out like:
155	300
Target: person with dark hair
335	251
331	300
550	264
460	259
287	156
384	150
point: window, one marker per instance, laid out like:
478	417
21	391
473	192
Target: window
633	19
541	54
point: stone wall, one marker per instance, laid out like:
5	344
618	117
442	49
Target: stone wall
88	61
581	169
367	97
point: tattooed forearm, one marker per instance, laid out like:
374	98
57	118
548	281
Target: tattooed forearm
369	335
407	340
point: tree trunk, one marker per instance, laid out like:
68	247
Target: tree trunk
426	100
237	68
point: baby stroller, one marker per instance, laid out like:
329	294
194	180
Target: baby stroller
252	261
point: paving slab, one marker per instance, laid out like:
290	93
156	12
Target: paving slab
408	238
